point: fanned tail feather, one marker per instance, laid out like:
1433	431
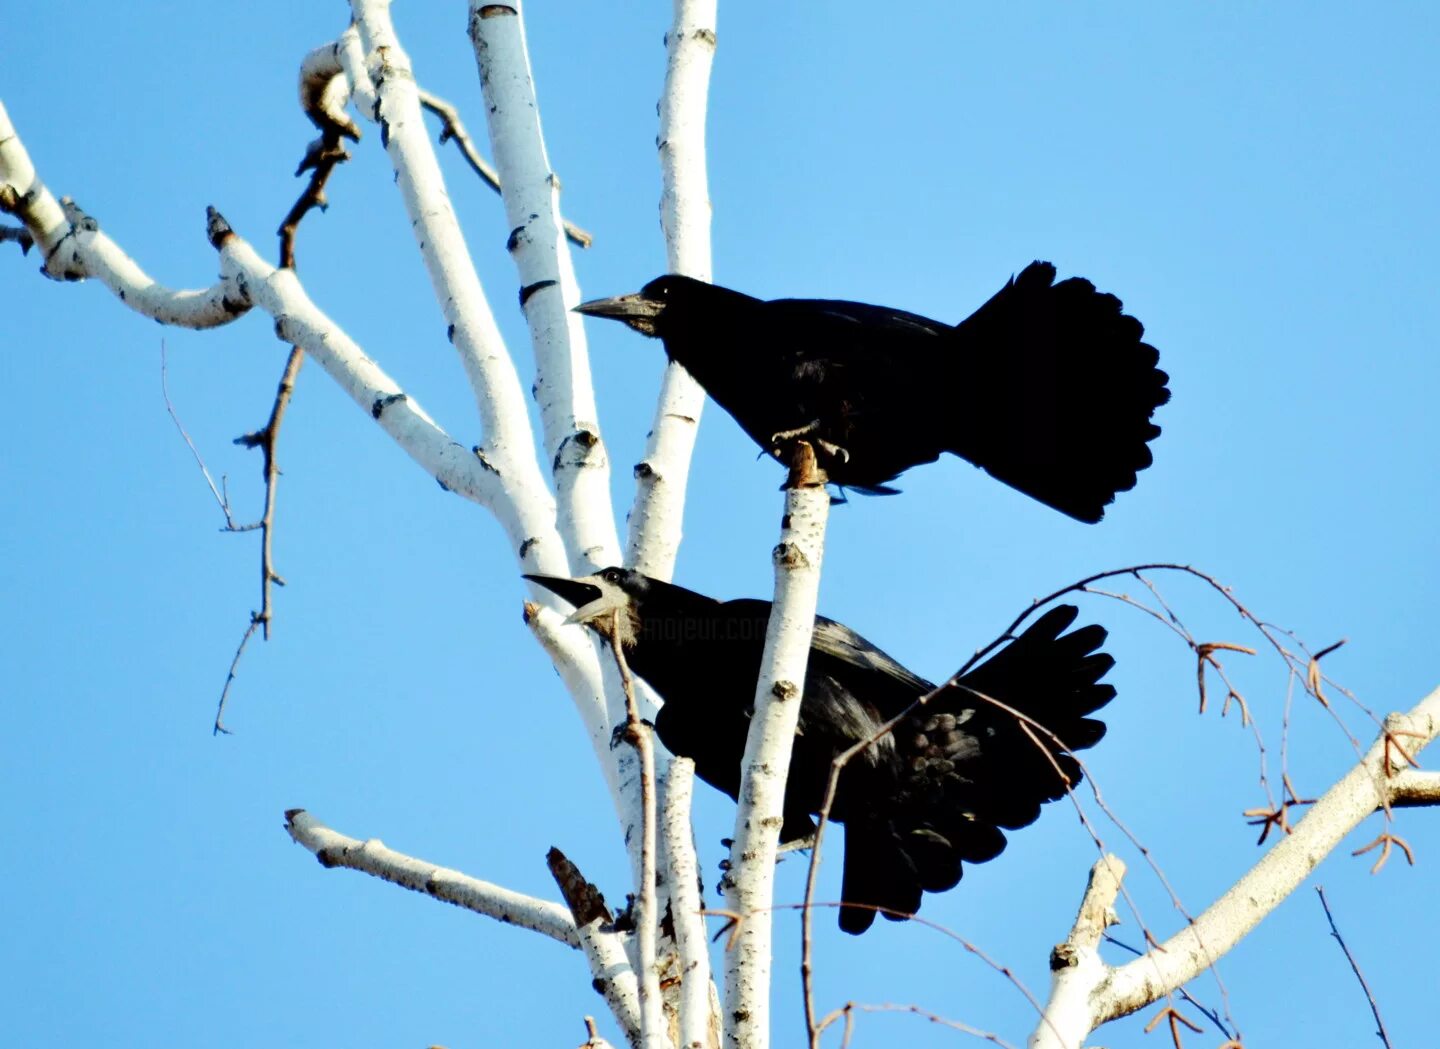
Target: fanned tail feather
1056	391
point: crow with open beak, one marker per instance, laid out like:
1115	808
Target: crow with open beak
938	791
1047	387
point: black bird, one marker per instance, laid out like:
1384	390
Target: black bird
1047	387
939	790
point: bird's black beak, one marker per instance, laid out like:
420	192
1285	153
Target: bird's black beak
578	592
636	311
590	601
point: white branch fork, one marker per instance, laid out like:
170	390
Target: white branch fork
1086	992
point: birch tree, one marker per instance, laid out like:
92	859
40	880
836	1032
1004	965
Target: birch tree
674	959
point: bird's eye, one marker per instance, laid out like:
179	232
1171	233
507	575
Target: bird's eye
611	575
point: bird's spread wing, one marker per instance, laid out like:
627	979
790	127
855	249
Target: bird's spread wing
979	759
990	749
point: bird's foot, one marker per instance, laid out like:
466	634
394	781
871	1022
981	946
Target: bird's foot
807	842
777	439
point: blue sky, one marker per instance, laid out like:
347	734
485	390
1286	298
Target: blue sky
1257	183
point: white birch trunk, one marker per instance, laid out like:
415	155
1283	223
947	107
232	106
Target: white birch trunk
750	885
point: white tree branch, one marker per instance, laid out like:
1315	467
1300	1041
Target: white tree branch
656	519
508	440
548	289
1076	967
300	322
73	248
351	54
699	1023
613	976
750	883
575	660
333	849
325	90
1414	787
1380	778
640	735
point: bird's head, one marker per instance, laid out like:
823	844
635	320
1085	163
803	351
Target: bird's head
597	598
646	311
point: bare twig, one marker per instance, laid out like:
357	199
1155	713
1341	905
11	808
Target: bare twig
219	727
639	735
1085	585
321	159
592	1036
1209	1013
1380	1031
849	1009
222	496
452	127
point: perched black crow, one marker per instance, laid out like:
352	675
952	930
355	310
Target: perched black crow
1048	387
939	790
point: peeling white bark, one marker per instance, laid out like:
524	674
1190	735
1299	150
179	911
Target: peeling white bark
750	884
1095	994
548	289
333	849
657	517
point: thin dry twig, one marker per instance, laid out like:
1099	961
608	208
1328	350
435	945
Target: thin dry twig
1380	1031
1085	585
321	159
454	128
847	1013
593	1040
1385	841
808	905
220	492
1205	1010
1175	1018
639	734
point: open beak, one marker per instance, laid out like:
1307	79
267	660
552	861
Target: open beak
635	310
590	601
